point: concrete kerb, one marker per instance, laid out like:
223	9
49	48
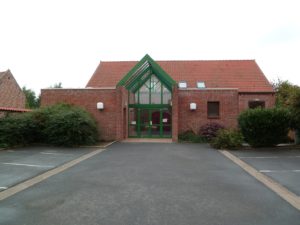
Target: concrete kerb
37	179
98	146
283	192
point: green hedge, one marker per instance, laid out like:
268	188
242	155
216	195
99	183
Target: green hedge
227	139
264	127
190	136
60	124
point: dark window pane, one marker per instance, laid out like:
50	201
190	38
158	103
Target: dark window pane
213	109
256	104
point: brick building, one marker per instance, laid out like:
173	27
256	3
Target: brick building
12	98
161	99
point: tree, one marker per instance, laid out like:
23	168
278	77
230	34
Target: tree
286	93
57	85
31	100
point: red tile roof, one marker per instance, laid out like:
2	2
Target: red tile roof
14	109
242	74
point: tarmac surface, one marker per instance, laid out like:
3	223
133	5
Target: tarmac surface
150	183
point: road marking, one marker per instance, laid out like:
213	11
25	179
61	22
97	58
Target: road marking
26	184
54	153
278	171
268	157
283	192
3	188
30	165
258	157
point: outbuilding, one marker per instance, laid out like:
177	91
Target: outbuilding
160	99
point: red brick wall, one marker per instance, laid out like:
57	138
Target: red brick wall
193	120
244	98
107	119
10	93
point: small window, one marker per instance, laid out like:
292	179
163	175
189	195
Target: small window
200	84
256	104
213	109
182	84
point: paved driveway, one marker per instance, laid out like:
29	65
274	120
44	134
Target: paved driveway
282	165
134	184
17	165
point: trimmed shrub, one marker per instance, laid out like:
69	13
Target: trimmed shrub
209	130
68	125
264	127
17	130
190	136
61	124
227	139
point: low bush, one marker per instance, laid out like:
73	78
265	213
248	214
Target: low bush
209	130
190	136
61	124
17	130
68	125
227	139
264	127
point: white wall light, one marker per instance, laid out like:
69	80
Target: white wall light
100	105
193	106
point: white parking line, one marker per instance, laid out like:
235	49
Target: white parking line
3	188
280	190
30	165
258	157
278	171
54	153
268	157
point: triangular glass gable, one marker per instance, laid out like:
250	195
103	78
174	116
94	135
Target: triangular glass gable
141	73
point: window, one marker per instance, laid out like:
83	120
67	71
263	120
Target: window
182	84
256	104
200	84
213	109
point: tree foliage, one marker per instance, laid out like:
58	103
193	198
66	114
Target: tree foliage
61	124
264	127
32	101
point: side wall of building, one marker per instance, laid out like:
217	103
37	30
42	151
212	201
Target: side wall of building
107	119
193	119
244	98
11	94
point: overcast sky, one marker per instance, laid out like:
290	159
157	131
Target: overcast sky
46	42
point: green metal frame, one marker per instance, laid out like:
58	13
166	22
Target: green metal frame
150	126
134	80
135	75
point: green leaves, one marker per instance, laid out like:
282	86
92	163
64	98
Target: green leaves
61	124
264	127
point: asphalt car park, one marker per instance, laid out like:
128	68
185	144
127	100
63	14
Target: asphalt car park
150	183
19	164
280	164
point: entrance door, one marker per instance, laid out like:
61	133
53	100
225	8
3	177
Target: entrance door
151	123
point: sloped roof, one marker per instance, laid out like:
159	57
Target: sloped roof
242	74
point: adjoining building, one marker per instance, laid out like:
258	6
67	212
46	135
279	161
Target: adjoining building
12	98
160	99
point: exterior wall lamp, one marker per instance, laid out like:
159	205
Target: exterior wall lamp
100	105
193	106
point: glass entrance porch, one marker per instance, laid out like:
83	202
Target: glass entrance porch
150	123
149	100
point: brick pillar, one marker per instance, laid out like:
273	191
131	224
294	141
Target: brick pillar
175	119
121	115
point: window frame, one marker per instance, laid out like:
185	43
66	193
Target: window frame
209	116
257	104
